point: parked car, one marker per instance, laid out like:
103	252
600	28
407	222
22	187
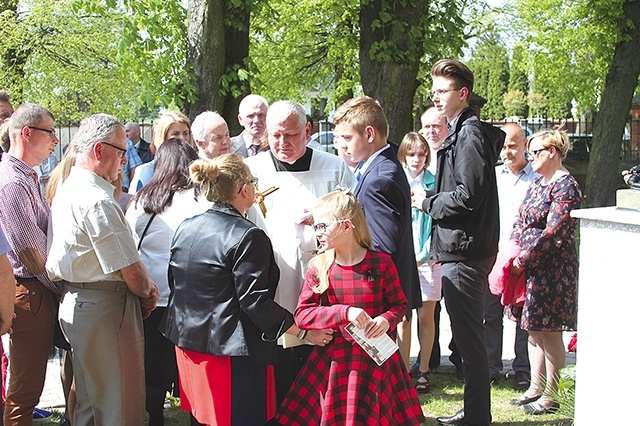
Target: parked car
580	145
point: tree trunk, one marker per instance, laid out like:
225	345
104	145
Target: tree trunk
237	43
206	52
390	74
213	50
603	177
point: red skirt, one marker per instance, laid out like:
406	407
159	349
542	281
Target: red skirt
225	391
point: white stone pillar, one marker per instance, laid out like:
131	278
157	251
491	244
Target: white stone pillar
608	311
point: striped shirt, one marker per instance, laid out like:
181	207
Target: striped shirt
133	161
24	217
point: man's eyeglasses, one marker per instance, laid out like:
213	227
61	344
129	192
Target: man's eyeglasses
52	132
122	152
535	152
439	92
252	181
322	227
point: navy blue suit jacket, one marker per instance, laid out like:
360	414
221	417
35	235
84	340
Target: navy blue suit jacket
385	196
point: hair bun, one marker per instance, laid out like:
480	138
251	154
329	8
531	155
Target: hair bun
203	171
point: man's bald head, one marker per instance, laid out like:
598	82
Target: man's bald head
514	132
252	113
514	148
132	131
434	127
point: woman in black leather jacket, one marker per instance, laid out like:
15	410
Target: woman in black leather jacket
221	314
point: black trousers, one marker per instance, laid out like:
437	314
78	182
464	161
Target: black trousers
464	285
289	363
494	330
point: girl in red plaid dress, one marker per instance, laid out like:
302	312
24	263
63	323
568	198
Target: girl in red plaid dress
347	282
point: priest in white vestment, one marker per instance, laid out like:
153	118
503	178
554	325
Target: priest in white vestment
302	175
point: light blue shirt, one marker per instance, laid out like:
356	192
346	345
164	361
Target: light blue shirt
142	176
512	189
4	245
133	161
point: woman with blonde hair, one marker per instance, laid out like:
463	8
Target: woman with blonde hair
545	232
221	314
348	283
171	124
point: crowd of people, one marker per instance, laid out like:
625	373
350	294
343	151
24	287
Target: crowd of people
255	276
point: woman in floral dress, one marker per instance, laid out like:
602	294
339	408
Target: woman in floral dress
545	232
348	283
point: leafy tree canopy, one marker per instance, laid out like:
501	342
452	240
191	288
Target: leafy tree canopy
298	46
571	46
69	62
490	65
151	46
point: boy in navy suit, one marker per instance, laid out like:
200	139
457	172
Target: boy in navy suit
383	192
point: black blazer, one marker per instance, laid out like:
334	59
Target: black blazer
385	196
144	151
223	278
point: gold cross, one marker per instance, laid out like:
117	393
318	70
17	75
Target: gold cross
259	200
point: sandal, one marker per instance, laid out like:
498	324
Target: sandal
536	408
423	387
523	400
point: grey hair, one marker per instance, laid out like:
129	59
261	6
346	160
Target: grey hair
197	127
249	99
281	110
5	143
26	115
97	127
4	96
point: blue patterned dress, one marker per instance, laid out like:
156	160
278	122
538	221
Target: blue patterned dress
546	231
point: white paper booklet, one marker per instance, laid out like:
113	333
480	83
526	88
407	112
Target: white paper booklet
379	349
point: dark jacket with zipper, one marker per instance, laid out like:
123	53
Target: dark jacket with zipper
464	204
223	278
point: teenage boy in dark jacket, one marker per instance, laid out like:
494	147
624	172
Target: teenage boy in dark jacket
464	208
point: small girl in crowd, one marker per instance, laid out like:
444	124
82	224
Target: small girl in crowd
415	156
347	282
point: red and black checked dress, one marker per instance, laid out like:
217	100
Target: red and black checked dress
340	384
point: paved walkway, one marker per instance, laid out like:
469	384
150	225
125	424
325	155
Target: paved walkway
52	396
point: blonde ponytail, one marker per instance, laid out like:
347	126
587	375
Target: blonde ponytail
323	262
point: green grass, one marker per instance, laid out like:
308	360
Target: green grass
444	399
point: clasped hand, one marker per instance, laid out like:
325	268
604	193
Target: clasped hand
417	197
373	327
148	304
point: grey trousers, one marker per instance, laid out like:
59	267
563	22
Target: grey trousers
103	323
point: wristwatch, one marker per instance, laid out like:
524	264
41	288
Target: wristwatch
301	334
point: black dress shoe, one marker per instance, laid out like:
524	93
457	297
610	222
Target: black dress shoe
521	381
456	419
